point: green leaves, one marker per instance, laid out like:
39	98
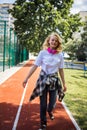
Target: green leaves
82	54
35	19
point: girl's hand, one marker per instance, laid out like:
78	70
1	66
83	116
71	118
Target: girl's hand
24	83
64	89
34	67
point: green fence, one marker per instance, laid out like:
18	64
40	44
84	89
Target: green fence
11	52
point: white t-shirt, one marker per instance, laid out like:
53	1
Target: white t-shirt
50	63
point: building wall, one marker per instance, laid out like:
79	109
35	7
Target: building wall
4	15
83	15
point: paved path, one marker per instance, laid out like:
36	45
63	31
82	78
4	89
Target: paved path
16	113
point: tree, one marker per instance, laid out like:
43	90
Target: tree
82	49
35	19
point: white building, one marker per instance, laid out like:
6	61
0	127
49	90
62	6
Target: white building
4	15
83	15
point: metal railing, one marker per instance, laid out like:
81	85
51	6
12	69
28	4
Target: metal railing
11	52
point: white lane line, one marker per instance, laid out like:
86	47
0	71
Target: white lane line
19	109
71	117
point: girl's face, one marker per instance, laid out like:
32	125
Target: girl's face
53	42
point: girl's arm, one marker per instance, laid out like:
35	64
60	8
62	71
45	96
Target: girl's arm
61	72
34	67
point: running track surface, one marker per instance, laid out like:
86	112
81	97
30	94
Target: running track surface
11	92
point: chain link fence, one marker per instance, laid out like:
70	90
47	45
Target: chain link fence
11	52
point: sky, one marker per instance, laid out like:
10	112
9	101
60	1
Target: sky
79	5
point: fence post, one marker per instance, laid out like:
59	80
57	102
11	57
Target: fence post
10	48
85	69
4	45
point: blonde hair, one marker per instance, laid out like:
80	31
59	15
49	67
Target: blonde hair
46	42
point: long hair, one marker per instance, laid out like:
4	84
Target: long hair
46	42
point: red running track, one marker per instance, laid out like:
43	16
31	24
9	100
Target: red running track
11	92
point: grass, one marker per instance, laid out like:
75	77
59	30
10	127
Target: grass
76	96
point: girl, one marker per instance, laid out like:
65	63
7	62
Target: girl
51	61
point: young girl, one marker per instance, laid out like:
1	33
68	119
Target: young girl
51	61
